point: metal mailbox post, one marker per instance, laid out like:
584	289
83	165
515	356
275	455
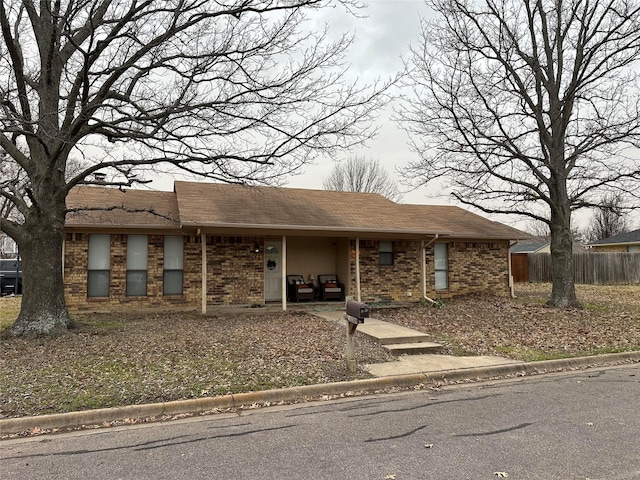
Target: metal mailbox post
355	314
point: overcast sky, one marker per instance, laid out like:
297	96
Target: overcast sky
382	38
383	35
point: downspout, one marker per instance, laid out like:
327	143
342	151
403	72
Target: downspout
511	284
358	291
423	268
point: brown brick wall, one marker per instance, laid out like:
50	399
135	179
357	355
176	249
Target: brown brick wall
235	274
479	267
381	283
76	250
474	267
75	275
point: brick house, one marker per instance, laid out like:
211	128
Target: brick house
218	244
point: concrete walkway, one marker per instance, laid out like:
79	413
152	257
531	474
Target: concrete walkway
407	364
392	336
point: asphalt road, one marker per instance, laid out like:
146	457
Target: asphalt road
580	425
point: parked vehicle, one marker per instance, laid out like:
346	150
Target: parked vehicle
10	273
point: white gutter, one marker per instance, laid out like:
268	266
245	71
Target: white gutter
327	228
619	244
115	226
511	284
358	291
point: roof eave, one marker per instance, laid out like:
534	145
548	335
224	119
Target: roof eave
487	237
617	244
314	228
122	226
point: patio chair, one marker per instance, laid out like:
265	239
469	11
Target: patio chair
298	289
330	287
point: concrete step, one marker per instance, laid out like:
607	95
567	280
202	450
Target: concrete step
412	348
417	338
388	333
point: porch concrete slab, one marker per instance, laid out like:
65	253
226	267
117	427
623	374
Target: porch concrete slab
384	333
408	364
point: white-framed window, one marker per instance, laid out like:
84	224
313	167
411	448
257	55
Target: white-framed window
137	249
441	264
173	276
98	270
386	253
633	249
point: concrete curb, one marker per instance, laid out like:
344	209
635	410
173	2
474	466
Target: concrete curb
199	405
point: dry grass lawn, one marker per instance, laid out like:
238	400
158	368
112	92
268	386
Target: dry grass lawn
120	359
526	329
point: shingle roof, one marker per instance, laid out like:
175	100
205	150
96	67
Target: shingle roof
213	204
460	223
202	205
629	237
527	247
111	207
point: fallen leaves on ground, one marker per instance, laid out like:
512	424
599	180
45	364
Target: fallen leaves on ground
115	359
525	328
125	359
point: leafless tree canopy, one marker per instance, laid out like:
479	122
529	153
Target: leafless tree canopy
234	90
528	107
609	219
231	90
361	174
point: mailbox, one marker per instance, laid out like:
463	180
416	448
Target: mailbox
357	311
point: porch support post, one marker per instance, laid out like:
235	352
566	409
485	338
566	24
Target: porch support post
203	242
423	269
284	272
424	266
358	292
64	242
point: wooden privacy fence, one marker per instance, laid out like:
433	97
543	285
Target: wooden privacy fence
590	268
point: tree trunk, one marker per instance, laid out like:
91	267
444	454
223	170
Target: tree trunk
43	309
563	291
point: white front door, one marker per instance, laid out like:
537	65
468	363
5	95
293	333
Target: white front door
273	270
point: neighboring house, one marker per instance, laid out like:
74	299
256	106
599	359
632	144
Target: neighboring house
524	248
520	257
217	244
625	242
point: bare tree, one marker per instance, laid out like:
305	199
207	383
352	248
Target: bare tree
528	107
609	219
538	229
361	174
232	90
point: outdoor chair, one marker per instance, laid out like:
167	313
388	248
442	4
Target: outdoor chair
298	289
330	288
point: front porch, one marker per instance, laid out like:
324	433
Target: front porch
264	270
251	270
